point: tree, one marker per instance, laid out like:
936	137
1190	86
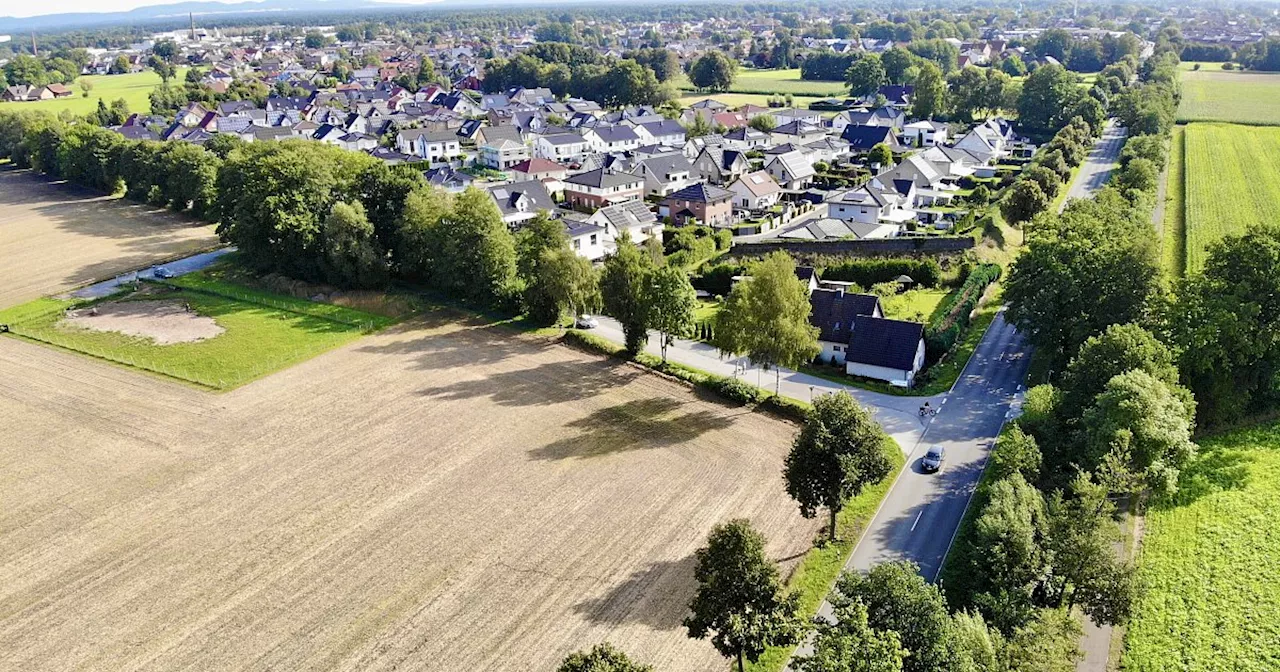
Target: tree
1013	66
1138	175
1082	538
351	256
1047	180
899	600
713	71
670	305
896	62
120	66
967	89
881	155
1016	453
851	645
1012	529
166	50
766	317
1143	419
698	126
477	257
763	123
1047	95
1093	266
930	96
740	601
1225	322
314	39
1119	348
536	237
865	76
1049	641
86	85
25	69
839	451
622	285
1025	201
568	280
601	658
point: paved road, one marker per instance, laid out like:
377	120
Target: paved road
177	267
1097	167
898	415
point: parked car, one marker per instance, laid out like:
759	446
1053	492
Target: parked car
932	460
162	273
586	322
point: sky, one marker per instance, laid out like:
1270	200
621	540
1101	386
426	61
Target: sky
25	9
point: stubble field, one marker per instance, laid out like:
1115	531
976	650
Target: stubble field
55	237
437	496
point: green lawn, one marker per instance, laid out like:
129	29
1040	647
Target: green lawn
821	566
917	304
1242	97
1232	180
776	81
1211	562
135	88
263	333
706	310
736	100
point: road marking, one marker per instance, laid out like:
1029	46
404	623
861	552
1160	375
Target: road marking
913	525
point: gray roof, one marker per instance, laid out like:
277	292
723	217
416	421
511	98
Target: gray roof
882	342
508	195
834	311
702	193
601	178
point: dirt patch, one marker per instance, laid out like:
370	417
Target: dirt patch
165	322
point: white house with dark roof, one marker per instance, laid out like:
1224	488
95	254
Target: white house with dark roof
665	174
833	312
502	153
620	138
634	218
561	147
883	349
433	146
520	202
664	132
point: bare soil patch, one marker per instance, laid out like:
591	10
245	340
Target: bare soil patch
165	322
54	237
437	496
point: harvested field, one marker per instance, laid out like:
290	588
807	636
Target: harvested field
432	497
162	322
55	237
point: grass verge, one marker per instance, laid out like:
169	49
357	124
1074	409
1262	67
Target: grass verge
1209	560
1175	214
263	333
822	565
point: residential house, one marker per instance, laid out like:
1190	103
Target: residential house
862	139
884	349
618	138
830	228
991	140
720	166
520	202
448	178
602	186
833	312
665	174
706	203
561	148
502	154
880	116
495	133
792	170
745	139
797	132
927	133
883	207
665	132
434	146
538	169
633	218
586	238
755	191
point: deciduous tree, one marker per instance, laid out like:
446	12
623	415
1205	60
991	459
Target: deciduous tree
671	303
766	317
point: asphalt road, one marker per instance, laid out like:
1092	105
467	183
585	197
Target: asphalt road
1096	168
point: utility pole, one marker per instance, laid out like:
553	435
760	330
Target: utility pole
35	51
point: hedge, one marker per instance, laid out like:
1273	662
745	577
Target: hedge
953	315
868	272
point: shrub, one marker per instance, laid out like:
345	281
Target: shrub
953	316
735	389
869	272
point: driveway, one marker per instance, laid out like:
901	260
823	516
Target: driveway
1096	168
177	267
899	416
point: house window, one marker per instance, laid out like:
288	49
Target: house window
593	239
837	348
577	243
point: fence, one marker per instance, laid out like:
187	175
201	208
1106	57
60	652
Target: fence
298	307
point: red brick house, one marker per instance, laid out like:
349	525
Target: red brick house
706	203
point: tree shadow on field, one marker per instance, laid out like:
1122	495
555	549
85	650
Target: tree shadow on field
545	384
633	425
447	339
656	596
1213	471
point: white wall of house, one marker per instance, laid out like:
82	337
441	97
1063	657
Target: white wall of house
866	214
590	245
895	377
832	349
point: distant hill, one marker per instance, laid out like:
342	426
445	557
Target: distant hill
15	26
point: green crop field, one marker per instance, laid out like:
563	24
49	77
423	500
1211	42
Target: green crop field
1210	562
135	88
769	82
1232	178
260	332
1214	94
